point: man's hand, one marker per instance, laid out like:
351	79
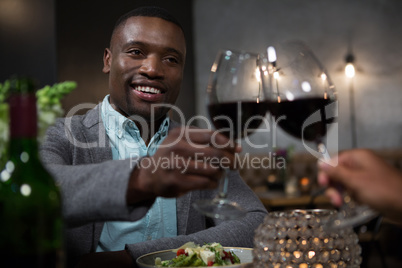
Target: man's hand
188	159
368	179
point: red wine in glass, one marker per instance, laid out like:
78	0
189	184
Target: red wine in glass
291	115
235	102
236	120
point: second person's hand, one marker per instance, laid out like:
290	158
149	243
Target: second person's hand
367	178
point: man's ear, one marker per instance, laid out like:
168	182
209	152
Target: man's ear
107	58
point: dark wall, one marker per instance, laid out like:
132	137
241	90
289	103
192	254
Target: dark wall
27	40
83	32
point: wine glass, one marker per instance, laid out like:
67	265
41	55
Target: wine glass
236	107
303	100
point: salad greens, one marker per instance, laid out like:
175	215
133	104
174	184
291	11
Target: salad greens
191	254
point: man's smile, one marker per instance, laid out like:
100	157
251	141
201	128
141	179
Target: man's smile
147	89
148	93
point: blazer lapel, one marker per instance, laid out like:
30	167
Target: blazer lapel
96	136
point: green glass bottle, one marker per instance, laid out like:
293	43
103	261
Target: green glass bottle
31	231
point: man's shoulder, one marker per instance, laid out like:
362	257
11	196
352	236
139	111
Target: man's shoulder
83	128
89	119
78	126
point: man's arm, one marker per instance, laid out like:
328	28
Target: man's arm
93	188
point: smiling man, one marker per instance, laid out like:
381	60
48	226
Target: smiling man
145	66
118	204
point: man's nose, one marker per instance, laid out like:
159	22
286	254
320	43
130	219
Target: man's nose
151	67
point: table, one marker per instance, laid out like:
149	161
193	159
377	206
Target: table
281	201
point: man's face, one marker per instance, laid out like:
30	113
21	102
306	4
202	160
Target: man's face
145	64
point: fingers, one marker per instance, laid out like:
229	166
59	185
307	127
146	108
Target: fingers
323	179
339	173
347	167
191	182
211	170
202	138
199	145
356	159
335	196
188	159
184	166
173	176
173	183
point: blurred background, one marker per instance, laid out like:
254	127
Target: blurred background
59	40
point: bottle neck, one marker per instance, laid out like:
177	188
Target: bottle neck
23	116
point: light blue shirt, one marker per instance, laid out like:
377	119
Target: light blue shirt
126	142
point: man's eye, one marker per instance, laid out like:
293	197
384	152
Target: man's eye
134	52
172	60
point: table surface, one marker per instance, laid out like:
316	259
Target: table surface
279	200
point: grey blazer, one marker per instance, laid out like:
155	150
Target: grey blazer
78	154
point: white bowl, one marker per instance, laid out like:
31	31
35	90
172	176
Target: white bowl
148	260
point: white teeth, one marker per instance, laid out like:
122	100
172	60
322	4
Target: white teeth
148	89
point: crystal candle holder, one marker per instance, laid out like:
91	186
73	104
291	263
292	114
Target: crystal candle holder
299	239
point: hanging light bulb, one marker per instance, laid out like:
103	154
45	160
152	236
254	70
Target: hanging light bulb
350	68
271	54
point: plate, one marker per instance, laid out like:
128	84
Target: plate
148	260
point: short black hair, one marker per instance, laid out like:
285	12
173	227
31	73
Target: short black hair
147	11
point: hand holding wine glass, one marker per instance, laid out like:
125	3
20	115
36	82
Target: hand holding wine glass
368	178
235	103
303	102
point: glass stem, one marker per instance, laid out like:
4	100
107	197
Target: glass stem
323	150
223	185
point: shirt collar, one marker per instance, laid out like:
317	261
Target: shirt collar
116	122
